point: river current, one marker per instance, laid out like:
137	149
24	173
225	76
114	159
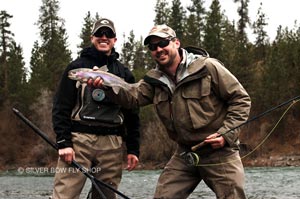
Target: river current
261	183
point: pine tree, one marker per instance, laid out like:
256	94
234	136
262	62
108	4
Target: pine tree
162	11
295	61
16	75
128	50
244	20
242	59
262	39
54	50
149	63
282	69
142	61
193	34
212	38
6	39
178	19
229	44
85	34
36	82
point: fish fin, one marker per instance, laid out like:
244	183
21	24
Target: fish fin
116	89
103	68
134	89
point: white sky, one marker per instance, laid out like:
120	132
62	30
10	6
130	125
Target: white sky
136	15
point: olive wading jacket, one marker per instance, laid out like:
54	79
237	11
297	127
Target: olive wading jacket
206	99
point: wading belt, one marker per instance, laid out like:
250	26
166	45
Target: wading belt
98	130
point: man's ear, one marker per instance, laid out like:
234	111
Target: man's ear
177	42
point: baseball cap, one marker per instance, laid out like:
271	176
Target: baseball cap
162	31
103	22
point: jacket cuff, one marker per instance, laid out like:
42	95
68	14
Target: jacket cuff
64	143
230	138
136	153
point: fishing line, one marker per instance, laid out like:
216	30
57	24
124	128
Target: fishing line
294	101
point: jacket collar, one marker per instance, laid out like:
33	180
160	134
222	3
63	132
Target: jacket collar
191	64
95	54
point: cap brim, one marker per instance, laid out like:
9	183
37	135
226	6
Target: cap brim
105	27
157	34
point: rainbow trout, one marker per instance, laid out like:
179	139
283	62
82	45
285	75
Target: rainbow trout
109	79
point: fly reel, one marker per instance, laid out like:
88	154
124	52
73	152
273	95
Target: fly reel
191	158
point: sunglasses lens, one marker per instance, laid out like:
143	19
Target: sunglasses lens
107	33
161	44
152	47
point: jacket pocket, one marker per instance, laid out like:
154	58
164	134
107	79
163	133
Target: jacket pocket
197	97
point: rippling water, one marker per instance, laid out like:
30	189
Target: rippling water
261	183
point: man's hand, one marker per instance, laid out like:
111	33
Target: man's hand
132	162
97	83
67	154
215	140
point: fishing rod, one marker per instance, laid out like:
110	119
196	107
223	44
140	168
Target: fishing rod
94	180
201	144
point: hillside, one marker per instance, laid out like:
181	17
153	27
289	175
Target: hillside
21	147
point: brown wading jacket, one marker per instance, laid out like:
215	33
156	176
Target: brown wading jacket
206	99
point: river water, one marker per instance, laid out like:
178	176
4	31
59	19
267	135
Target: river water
261	183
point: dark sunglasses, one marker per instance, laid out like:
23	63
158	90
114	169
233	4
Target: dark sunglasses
161	44
107	33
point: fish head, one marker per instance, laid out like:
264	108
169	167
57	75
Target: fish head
80	74
75	74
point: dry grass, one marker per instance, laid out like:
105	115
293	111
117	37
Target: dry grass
156	147
19	145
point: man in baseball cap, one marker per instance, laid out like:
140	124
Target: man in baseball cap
182	88
162	31
93	135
